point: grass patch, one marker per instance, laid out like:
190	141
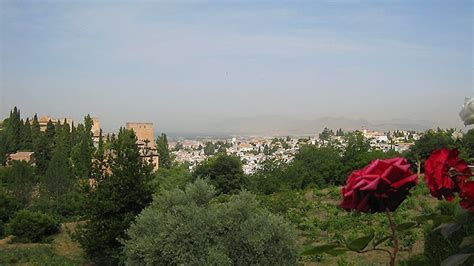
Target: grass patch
37	254
61	251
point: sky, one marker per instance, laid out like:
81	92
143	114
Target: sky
187	65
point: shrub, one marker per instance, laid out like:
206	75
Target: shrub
8	206
292	205
438	247
189	227
28	226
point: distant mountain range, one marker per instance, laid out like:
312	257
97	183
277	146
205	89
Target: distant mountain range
282	126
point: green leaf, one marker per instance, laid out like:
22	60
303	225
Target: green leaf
426	217
448	229
438	218
320	249
380	241
336	251
406	226
455	260
462	215
360	243
441	219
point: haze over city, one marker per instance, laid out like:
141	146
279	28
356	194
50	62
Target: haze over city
239	66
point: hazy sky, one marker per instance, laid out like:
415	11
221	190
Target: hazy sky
184	65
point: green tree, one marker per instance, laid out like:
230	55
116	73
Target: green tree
8	207
29	226
58	180
50	132
177	176
163	151
10	134
42	149
83	150
38	146
271	177
20	182
99	164
26	141
224	172
430	141
190	228
326	134
320	166
356	149
3	148
209	149
43	146
13	129
115	202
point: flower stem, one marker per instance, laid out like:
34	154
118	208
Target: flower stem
393	227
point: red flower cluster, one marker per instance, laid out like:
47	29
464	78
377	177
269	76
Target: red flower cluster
381	185
446	174
443	173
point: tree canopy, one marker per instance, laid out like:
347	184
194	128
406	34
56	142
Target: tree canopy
189	227
224	172
117	199
163	151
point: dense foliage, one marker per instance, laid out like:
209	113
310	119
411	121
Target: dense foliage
439	247
176	176
116	200
8	207
108	188
224	172
28	226
20	180
190	227
430	141
322	165
163	151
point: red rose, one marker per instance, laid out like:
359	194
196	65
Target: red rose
467	195
381	185
443	173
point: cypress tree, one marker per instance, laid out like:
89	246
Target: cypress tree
58	179
82	152
3	148
40	147
115	202
26	142
73	135
11	129
35	128
163	151
66	135
99	163
49	133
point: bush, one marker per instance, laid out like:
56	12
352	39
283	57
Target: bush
8	206
437	247
292	205
189	227
28	226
